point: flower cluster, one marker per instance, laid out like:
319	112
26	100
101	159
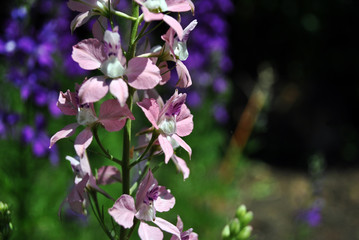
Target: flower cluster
126	79
33	51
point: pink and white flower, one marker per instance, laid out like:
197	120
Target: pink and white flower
112	117
176	50
153	11
150	198
185	235
172	121
140	73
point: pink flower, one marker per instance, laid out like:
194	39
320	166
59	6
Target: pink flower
88	9
187	235
112	117
177	51
173	121
153	11
150	198
140	73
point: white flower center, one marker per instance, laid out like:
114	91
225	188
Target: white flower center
85	116
173	142
146	212
112	67
180	50
168	125
156	5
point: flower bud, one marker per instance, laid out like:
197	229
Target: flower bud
234	226
245	233
247	218
241	211
226	232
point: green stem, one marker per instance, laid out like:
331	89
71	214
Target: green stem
154	137
124	15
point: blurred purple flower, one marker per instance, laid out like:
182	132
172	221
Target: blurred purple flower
19	13
220	85
220	113
194	99
27	134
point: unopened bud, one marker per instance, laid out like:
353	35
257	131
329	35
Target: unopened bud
245	233
247	218
235	226
226	232
241	211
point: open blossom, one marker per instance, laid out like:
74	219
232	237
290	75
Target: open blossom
150	198
185	235
153	11
112	116
140	73
176	49
173	121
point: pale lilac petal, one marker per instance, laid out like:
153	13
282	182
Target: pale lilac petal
99	27
182	144
150	16
85	164
142	73
67	103
180	5
80	20
191	26
173	23
146	183
184	122
140	2
67	131
167	227
77	196
93	89
151	109
108	175
89	53
119	89
83	140
165	200
179	224
113	116
181	166
123	211
147	232
184	78
165	73
166	147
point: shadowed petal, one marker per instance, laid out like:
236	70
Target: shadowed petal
89	53
77	196
98	27
184	78
151	110
146	183
182	144
93	89
83	140
119	89
67	131
165	200
147	232
86	5
142	73
167	227
67	103
123	211
80	19
166	147
108	174
181	166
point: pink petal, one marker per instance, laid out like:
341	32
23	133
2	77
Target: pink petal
81	7
173	23
167	227
123	211
191	26
150	16
166	147
113	116
147	232
99	27
146	183
67	103
80	20
179	224
89	54
85	164
182	144
181	166
165	200
180	5
77	196
142	73
151	109
67	131
184	78
83	140
165	73
184	122
108	174
119	89
93	89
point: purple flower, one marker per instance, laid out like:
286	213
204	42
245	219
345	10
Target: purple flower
220	85
220	113
27	134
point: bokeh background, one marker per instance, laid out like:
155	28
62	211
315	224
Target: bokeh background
275	87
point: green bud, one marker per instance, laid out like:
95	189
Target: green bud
247	218
226	232
234	226
245	233
5	221
241	211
